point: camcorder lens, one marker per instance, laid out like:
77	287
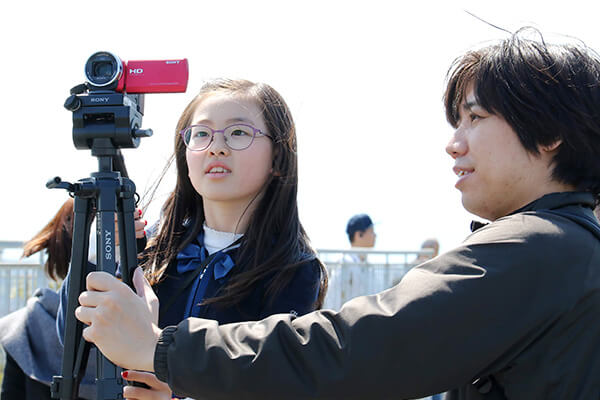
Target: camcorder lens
103	70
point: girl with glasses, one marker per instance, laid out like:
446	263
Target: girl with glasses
230	245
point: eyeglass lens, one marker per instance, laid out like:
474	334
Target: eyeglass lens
237	137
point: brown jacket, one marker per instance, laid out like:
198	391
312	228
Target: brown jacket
516	306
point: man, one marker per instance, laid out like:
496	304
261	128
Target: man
361	234
511	313
432	246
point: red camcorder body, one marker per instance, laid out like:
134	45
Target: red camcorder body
105	71
165	76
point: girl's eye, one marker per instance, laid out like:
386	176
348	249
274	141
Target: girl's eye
239	132
200	134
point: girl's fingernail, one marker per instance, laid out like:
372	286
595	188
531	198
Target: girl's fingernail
124	374
140	212
145	222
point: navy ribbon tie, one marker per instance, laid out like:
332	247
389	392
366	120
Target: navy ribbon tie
223	264
192	257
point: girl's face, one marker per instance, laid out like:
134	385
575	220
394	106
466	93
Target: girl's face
218	173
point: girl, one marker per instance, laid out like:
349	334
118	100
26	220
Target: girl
28	335
230	245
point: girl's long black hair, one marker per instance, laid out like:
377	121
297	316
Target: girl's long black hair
275	244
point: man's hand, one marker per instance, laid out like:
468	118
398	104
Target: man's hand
122	324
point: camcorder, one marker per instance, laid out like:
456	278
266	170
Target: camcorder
105	71
107	116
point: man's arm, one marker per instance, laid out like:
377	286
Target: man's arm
462	315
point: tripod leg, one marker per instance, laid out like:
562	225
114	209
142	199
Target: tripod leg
127	240
66	386
128	247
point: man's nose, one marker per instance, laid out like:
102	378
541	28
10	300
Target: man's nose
457	146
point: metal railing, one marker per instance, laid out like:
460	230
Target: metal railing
19	278
359	272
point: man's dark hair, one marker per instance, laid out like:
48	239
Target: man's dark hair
358	223
546	93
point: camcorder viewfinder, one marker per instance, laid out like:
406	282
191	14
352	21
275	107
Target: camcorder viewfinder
106	71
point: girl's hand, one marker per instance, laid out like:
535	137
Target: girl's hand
138	223
158	389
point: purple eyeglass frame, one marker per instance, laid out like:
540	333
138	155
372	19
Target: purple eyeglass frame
213	131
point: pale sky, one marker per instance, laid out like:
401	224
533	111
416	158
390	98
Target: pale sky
364	81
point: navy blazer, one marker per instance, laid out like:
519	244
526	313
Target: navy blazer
298	297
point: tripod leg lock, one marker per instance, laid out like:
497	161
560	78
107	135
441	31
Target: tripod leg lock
55	387
59	385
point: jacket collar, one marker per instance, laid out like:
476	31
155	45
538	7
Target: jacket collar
550	201
557	200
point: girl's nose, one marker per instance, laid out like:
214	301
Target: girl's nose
218	145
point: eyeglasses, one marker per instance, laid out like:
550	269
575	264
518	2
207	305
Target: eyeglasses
237	137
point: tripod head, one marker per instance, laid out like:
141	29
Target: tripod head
105	121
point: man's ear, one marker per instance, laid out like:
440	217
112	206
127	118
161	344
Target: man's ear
551	147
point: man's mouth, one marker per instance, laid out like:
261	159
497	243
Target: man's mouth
462	171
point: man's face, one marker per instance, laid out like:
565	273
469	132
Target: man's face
496	174
365	238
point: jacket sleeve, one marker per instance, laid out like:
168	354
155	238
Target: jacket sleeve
461	315
63	293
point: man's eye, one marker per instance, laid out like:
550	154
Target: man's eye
473	117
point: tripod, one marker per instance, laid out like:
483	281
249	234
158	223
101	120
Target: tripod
104	129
